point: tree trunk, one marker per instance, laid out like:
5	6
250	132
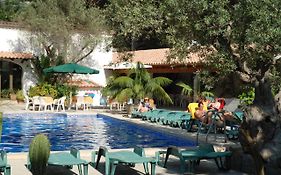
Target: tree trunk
260	131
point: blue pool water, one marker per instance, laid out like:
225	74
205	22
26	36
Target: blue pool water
82	132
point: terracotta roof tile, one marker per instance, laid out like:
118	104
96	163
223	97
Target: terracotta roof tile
156	57
15	55
84	84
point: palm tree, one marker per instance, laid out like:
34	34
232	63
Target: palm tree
137	85
186	89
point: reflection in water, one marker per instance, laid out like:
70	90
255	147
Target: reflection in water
82	132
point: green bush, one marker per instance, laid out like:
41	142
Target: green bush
247	98
5	93
55	91
20	95
43	89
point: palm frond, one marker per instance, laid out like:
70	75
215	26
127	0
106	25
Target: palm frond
162	81
207	94
123	81
186	89
124	95
160	94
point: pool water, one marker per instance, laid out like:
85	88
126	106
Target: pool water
82	132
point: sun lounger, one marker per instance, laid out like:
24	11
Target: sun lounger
4	166
180	119
193	156
112	159
66	159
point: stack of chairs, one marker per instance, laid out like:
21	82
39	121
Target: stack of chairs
165	117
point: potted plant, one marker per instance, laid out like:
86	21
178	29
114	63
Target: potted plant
13	95
20	96
39	152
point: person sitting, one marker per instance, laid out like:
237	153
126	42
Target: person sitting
215	105
151	104
144	105
202	114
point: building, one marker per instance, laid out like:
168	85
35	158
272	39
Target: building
17	53
155	61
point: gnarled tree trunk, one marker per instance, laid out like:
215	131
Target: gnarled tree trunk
260	134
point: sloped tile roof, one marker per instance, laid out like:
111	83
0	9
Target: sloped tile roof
84	84
157	57
15	55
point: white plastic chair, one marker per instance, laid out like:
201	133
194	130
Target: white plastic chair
80	102
28	102
88	101
60	103
46	102
36	102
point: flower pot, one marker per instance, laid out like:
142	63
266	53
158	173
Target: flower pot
20	101
13	96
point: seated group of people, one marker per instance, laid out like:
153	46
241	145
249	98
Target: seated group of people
146	105
205	110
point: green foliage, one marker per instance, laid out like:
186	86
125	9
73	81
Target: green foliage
136	24
9	9
65	90
137	85
20	95
39	152
244	34
207	94
43	89
186	89
55	91
247	98
67	29
275	79
5	93
42	62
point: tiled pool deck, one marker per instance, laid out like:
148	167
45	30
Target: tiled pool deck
17	160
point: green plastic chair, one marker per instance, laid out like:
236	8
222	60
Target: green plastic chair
66	159
112	159
193	156
179	119
4	166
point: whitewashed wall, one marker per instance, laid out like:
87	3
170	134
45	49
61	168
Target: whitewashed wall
15	40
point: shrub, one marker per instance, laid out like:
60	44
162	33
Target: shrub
247	98
55	91
20	95
43	89
5	93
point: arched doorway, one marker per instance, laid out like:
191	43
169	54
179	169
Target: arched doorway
10	75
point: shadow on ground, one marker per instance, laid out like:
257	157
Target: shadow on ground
59	170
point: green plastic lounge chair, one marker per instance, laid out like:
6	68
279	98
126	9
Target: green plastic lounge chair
156	113
179	119
4	166
232	127
112	159
193	156
66	159
162	116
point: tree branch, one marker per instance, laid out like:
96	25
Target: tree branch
86	55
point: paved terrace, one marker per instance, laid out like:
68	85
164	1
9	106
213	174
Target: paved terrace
17	160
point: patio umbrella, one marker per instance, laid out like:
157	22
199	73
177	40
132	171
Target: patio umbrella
71	68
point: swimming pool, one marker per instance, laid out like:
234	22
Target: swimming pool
82	132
